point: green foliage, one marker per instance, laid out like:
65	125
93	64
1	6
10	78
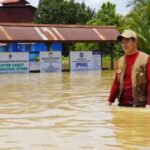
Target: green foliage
63	12
86	46
139	21
105	16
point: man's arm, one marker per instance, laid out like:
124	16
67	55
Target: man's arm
114	90
148	80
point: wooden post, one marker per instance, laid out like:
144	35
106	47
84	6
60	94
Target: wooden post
101	52
112	56
47	45
101	58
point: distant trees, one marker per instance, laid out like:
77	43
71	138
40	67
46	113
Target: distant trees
63	12
106	15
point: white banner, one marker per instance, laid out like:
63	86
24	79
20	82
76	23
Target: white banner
96	60
81	61
50	61
14	62
34	65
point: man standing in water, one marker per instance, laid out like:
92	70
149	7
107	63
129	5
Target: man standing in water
132	80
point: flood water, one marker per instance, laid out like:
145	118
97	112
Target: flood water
67	111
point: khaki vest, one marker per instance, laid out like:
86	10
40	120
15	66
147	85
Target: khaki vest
138	77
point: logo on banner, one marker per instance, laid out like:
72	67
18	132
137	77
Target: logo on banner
81	55
10	56
50	53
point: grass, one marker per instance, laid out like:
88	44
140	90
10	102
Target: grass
107	62
65	63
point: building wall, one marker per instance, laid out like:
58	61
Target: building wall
21	2
30	47
22	14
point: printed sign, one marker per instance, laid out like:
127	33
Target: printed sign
81	61
14	62
50	61
96	60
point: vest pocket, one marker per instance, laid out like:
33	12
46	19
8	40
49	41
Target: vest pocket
141	86
141	90
141	75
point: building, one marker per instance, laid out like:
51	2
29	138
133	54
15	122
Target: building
16	11
37	38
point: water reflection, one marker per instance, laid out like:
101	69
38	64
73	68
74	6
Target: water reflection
67	111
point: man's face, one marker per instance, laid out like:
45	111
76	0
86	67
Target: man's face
128	45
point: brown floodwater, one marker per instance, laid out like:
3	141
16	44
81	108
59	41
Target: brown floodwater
67	111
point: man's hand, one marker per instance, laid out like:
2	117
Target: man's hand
147	106
109	103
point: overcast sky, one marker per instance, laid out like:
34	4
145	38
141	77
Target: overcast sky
95	4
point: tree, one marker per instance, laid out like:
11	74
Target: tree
105	16
63	12
139	21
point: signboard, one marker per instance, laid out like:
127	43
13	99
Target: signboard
50	61
14	62
96	60
34	61
81	61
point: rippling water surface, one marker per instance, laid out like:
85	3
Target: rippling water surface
67	111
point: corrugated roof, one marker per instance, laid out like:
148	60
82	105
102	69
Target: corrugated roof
63	33
8	1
